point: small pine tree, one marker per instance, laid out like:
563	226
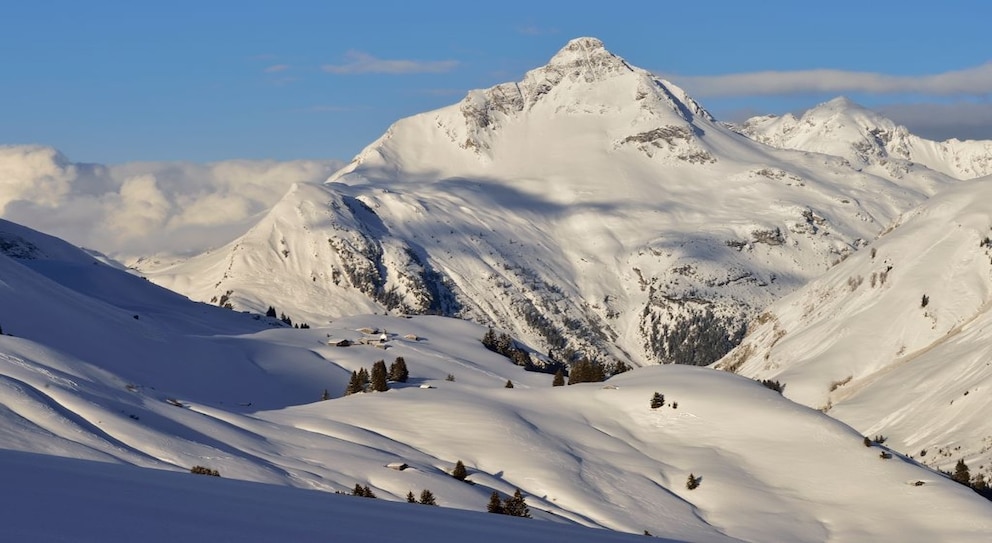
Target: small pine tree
459	472
692	482
427	497
378	376
924	301
398	371
450	377
285	319
658	400
363	378
961	473
516	506
867	441
271	312
325	396
495	504
410	497
509	384
559	379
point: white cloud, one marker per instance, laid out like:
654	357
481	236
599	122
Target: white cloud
975	81
364	63
144	208
276	68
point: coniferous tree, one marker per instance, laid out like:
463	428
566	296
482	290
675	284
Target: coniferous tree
489	339
398	371
586	371
271	312
427	497
658	400
363	378
410	498
961	473
495	504
325	396
378	377
516	506
692	482
354	385
459	472
509	384
559	379
285	319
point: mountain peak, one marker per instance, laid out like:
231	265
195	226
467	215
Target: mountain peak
586	57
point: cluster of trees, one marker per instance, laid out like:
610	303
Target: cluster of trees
271	312
962	474
692	482
696	340
658	400
514	506
203	470
583	370
378	379
362	491
426	498
504	345
586	370
777	386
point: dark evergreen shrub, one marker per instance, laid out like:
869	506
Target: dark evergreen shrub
203	470
495	504
459	472
516	506
427	498
378	378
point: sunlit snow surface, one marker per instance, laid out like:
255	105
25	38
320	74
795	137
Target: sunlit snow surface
102	366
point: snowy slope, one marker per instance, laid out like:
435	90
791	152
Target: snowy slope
896	339
589	206
842	128
99	503
199	385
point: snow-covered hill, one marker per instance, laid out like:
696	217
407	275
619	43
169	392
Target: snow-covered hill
98	365
896	339
870	141
590	207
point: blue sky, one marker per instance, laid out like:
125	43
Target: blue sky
115	81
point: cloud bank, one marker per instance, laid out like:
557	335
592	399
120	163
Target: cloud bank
975	81
144	208
364	63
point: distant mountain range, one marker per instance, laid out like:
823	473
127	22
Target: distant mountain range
590	209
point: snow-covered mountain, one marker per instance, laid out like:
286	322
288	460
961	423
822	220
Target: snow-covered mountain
868	140
896	339
96	364
589	207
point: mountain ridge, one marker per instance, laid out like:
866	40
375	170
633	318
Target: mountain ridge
606	216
